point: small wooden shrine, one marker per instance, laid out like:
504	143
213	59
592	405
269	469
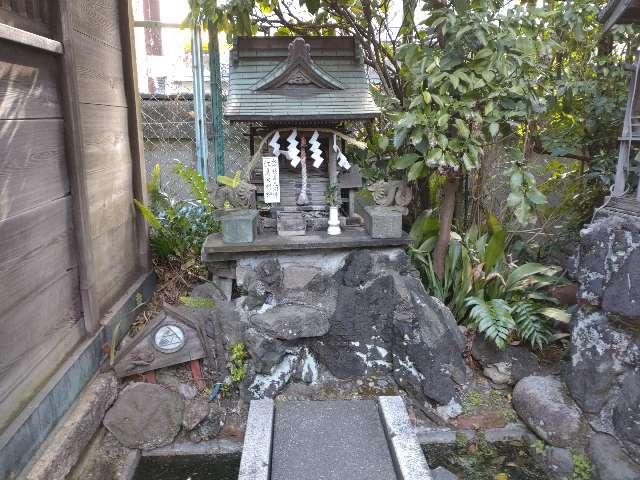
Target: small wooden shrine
298	96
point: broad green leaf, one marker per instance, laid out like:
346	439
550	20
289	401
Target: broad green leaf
405	161
463	130
416	171
523	272
383	143
426	96
443	120
535	196
556	314
494	128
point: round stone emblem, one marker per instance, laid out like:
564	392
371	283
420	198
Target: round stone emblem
169	339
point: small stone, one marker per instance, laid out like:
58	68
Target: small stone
195	412
187	391
145	416
442	473
499	373
544	406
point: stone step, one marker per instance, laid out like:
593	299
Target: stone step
331	440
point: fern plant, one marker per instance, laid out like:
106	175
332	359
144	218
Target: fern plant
486	290
178	227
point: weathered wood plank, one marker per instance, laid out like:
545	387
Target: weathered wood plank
28	84
46	325
19	18
76	164
98	19
105	136
22	234
99	70
116	263
136	141
43	266
33	168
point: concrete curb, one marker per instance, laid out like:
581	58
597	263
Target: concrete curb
513	431
256	453
208	448
408	458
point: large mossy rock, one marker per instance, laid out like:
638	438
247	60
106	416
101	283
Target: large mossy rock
362	314
145	416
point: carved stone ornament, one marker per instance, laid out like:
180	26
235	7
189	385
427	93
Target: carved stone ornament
385	194
298	70
242	196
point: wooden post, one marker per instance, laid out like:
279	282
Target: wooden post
77	170
135	130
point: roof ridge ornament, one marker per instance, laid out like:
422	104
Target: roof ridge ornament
298	70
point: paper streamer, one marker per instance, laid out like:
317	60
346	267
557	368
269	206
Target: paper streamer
316	152
275	145
293	152
342	160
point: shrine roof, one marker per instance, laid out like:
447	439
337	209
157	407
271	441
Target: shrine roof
618	12
276	79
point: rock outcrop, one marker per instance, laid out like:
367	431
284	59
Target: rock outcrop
349	314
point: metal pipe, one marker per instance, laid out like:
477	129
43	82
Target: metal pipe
198	104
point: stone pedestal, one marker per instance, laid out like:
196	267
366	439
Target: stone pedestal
239	226
383	222
291	224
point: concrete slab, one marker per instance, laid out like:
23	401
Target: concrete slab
256	452
407	454
215	250
330	440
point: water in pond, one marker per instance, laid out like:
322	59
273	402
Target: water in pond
188	467
481	460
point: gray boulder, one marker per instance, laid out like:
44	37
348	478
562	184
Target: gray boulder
145	416
545	407
610	460
360	333
598	353
609	271
291	321
427	344
626	414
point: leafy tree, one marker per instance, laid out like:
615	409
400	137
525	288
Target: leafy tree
471	80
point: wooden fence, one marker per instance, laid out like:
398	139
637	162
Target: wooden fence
71	163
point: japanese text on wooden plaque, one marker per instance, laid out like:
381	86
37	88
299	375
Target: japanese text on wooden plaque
271	179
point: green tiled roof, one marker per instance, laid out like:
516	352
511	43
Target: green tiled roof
257	62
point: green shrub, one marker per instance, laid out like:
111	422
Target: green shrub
484	288
178	227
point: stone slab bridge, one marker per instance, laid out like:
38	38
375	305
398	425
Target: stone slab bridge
331	440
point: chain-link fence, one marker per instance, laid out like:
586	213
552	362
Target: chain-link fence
169	136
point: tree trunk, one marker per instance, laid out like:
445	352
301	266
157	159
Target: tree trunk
447	208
